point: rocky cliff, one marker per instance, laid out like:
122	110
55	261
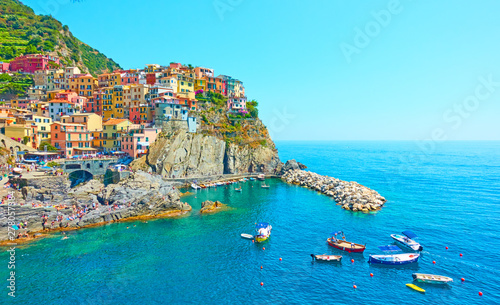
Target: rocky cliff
186	155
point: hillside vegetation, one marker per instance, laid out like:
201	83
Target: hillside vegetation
24	32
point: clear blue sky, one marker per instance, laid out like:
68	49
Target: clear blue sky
314	75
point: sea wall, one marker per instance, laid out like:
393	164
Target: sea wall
351	196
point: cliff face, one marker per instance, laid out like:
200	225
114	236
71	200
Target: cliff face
187	155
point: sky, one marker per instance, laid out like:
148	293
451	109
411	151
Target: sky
321	70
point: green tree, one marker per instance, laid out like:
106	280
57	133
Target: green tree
30	49
49	147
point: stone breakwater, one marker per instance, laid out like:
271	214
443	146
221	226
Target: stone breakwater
352	196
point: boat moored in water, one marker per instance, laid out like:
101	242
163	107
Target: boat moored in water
407	241
431	278
344	245
327	258
393	259
261	177
264	185
263	231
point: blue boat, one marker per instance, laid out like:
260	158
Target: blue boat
393	259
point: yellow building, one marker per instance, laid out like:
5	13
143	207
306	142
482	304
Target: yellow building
106	97
200	84
117	102
110	79
84	85
26	133
112	131
92	121
43	128
185	83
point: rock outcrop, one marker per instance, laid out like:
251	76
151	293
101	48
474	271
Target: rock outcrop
186	155
140	196
351	196
212	207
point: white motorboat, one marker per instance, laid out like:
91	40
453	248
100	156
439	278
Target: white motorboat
407	241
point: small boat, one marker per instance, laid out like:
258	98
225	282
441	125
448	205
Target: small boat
344	245
415	287
393	259
431	278
327	258
196	187
238	189
407	240
17	170
252	179
263	231
264	185
247	236
261	177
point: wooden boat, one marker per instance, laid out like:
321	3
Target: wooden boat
407	241
327	258
344	245
263	231
261	177
431	278
394	259
415	287
264	186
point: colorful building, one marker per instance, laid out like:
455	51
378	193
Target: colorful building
137	141
58	108
33	62
71	139
109	138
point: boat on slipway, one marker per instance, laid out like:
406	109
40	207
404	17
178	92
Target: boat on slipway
344	245
407	241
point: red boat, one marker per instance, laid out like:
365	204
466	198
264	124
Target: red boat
344	245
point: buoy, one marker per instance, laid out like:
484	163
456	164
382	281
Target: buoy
352	260
371	274
354	286
280	259
263	248
480	294
463	280
433	262
253	240
461	255
261	283
260	267
446	248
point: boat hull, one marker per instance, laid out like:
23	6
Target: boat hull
327	258
415	287
394	260
261	239
344	246
431	279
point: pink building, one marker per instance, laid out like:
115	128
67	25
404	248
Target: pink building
32	62
137	141
4	67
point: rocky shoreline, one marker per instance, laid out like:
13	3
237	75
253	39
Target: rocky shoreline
352	196
210	207
48	204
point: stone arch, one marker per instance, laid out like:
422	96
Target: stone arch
87	165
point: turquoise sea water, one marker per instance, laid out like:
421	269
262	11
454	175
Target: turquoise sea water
450	197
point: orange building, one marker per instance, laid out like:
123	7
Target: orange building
71	139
